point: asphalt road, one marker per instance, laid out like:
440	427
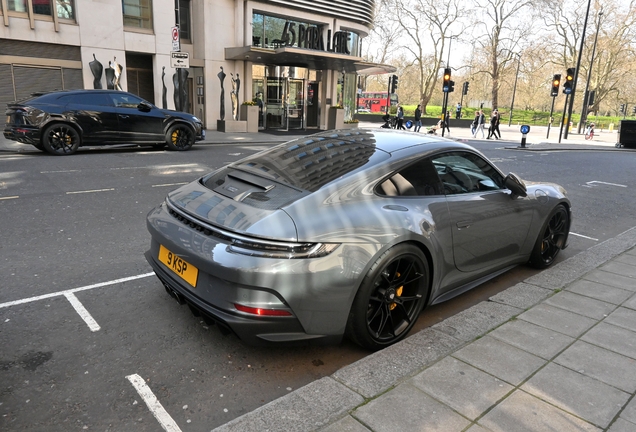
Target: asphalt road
76	338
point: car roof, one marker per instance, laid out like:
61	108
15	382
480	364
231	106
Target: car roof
54	94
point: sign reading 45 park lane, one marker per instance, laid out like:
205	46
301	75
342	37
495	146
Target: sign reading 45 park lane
179	60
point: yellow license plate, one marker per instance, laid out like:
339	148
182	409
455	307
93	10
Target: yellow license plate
184	269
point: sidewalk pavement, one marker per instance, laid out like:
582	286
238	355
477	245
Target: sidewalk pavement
556	352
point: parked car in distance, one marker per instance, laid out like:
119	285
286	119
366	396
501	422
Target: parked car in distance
348	233
60	122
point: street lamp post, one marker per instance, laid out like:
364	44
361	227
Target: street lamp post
589	75
514	89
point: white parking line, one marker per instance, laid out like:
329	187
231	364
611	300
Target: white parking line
90	191
55	172
74	290
81	310
9	197
591	183
155	407
581	235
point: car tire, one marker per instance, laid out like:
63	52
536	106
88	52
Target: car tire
180	137
60	139
390	298
551	238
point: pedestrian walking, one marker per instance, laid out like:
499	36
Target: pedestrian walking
418	119
491	126
458	111
498	135
473	125
400	118
446	121
480	124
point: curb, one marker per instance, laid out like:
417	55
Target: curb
329	399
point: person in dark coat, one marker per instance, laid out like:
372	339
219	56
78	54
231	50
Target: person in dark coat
418	119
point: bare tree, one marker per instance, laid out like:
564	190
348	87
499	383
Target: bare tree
505	26
426	26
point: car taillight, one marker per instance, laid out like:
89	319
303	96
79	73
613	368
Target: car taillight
261	311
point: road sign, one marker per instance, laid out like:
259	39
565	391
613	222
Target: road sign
179	60
175	39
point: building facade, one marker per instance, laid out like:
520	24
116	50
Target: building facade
294	59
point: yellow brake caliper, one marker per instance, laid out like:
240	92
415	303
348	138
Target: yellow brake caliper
398	293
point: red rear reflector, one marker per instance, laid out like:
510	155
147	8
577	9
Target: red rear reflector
261	312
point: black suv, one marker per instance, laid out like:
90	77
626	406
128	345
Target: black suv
61	121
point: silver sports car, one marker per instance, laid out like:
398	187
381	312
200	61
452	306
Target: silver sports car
348	233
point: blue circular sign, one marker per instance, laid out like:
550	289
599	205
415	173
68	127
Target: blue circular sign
525	129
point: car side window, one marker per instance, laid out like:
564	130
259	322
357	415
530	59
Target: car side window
464	172
88	99
418	179
123	100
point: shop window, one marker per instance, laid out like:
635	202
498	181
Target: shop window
65	9
137	13
185	30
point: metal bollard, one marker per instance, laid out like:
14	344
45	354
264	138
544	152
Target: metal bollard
524	129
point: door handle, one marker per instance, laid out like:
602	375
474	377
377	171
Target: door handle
123	116
464	224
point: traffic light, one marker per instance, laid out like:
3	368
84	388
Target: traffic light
465	88
591	97
569	81
556	82
394	83
451	86
622	108
634	110
446	84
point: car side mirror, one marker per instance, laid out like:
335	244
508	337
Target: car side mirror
516	185
144	106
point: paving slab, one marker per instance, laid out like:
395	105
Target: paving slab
499	359
532	338
611	279
581	305
599	363
346	424
600	291
621	425
627	259
310	407
631	303
406	408
522	412
580	395
623	317
477	320
522	295
464	388
613	338
558	320
622	269
629	412
384	369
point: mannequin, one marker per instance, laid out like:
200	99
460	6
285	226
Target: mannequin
221	76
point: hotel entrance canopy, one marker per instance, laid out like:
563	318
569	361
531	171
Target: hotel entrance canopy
307	58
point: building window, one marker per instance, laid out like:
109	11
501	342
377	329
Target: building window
137	13
185	33
65	8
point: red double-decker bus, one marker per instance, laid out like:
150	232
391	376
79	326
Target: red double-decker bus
375	101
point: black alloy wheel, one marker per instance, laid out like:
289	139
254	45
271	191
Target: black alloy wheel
551	238
180	137
390	298
60	139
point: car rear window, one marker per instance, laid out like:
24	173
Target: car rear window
312	162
